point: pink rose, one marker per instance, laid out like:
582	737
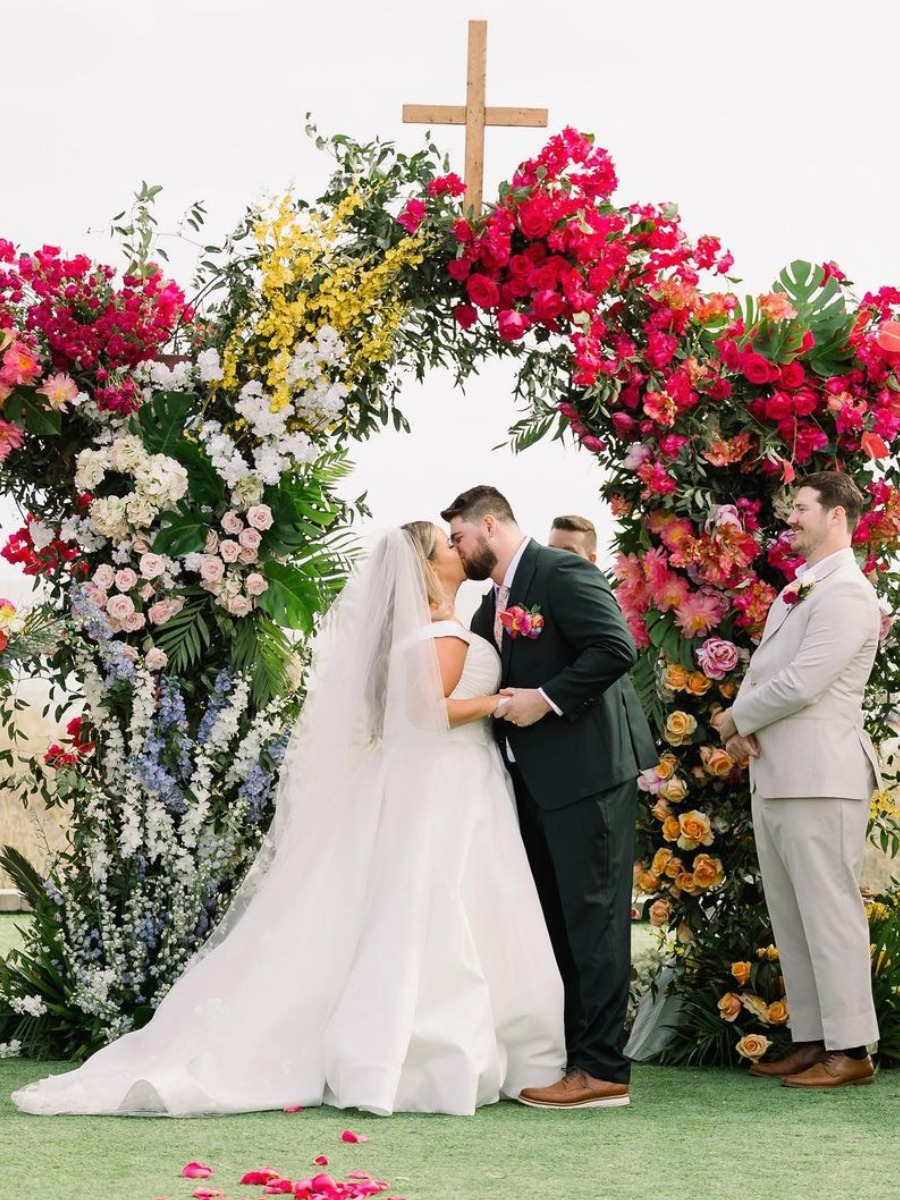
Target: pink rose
255	584
156	659
96	594
250	538
120	607
147	591
758	369
239	606
104	577
260	516
140	545
134	622
547	305
232	523
152	565
229	550
130	653
717	657
482	291
512	325
248	556
212	542
164	610
212	569
126	579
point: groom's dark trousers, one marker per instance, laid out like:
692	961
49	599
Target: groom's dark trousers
575	778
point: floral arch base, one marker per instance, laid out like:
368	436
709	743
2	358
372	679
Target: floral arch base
176	465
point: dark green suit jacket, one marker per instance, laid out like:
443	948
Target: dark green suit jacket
581	659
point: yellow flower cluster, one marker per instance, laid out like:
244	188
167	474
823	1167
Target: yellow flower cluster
310	279
884	804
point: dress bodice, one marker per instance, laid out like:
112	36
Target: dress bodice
480	674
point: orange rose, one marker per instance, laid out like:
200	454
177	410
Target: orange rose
661	809
694	830
674	790
730	1007
674	867
757	1006
686	882
647	882
671	829
680	726
728	689
660	861
675	677
716	761
697	684
753	1046
741	972
778	1013
708	871
667	766
659	912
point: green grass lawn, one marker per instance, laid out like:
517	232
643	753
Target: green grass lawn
700	1134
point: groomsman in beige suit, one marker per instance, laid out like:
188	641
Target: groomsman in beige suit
798	718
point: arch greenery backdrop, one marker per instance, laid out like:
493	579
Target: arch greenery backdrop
175	463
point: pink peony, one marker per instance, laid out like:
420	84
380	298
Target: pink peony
700	613
717	657
636	456
260	516
20	365
11	438
195	1170
60	390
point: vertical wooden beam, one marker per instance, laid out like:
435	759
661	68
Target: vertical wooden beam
475	106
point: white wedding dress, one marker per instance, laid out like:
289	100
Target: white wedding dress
393	956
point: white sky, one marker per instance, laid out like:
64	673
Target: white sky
772	125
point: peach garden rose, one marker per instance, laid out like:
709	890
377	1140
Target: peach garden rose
694	830
730	1007
753	1046
741	972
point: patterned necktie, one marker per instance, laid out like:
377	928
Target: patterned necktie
499	604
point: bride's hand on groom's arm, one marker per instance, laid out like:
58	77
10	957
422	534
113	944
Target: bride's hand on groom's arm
521	706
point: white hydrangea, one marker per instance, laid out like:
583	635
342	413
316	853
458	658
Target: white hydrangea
31	1006
209	366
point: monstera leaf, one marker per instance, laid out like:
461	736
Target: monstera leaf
820	307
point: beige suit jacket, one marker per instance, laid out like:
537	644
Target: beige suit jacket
803	692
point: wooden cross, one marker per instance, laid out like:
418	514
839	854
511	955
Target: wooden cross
475	115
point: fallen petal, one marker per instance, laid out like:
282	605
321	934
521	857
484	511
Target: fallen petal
349	1136
293	1108
207	1193
195	1170
321	1160
358	1175
265	1175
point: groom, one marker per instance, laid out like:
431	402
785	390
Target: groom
574	738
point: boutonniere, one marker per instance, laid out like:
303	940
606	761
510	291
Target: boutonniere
522	622
798	590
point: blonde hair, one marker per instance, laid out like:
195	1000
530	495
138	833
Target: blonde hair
424	537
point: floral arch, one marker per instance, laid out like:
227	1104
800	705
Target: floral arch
180	509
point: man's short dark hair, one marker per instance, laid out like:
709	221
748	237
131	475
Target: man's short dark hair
835	489
478	502
572	523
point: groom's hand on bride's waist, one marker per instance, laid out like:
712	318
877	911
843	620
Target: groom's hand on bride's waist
522	706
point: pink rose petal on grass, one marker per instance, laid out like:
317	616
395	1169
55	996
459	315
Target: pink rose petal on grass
293	1108
358	1175
207	1193
263	1176
349	1136
279	1187
195	1170
321	1160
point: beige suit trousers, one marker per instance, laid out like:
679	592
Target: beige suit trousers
810	854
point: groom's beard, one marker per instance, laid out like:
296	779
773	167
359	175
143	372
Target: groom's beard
479	565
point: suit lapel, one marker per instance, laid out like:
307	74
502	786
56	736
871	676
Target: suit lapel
518	593
781	613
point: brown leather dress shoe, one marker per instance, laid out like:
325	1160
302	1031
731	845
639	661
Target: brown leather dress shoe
800	1059
577	1089
834	1071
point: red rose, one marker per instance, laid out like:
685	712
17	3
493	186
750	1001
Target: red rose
546	306
792	375
465	315
459	269
463	231
512	325
758	369
536	217
482	291
412	216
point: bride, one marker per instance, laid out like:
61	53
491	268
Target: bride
387	950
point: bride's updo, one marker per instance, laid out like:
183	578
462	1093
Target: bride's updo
424	537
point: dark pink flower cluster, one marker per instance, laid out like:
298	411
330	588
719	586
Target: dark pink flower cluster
72	313
52	559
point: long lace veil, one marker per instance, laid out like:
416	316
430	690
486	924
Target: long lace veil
374	704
